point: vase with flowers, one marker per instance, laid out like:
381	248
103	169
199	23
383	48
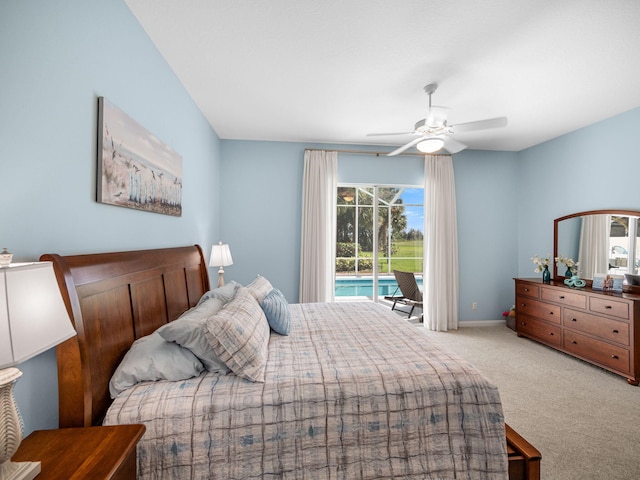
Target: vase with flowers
571	266
542	265
572	272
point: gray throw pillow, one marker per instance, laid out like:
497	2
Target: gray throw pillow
152	358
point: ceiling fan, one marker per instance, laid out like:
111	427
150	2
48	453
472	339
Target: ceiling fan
435	134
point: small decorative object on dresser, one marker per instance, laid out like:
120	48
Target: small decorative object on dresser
542	265
607	282
575	281
598	327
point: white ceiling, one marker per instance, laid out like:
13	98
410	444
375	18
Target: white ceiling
331	71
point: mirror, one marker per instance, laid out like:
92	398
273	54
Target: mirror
602	241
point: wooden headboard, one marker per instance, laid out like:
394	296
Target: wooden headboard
114	299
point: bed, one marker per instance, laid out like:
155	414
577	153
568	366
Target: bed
352	391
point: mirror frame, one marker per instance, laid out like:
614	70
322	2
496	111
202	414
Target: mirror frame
580	214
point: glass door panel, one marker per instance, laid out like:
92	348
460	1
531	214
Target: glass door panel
396	241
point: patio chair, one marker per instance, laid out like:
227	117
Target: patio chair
410	294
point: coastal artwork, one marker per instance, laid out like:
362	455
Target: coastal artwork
135	169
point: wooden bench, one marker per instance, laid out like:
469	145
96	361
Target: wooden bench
524	458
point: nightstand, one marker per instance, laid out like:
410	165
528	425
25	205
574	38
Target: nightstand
96	453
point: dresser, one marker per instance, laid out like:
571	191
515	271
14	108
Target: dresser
600	328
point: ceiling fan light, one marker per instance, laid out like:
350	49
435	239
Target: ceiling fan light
430	145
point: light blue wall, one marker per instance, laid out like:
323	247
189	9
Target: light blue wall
262	203
56	58
597	167
486	200
506	203
261	217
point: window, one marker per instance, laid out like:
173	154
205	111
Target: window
623	238
379	229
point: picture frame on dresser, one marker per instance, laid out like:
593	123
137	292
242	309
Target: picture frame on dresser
606	282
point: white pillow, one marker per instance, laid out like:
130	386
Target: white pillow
224	293
188	331
152	358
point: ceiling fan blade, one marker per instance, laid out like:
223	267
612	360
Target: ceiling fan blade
451	145
384	134
405	147
480	124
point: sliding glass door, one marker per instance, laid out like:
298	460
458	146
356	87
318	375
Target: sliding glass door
379	229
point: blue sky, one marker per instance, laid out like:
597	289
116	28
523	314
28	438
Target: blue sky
415	216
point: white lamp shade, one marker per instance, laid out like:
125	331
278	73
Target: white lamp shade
33	317
220	256
430	145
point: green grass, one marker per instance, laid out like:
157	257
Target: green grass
407	257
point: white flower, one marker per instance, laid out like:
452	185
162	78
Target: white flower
569	263
541	262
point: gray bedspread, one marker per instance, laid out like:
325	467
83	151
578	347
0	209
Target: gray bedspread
354	392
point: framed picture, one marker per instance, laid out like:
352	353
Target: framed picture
135	169
607	282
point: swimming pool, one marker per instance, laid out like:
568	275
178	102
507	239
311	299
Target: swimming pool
363	286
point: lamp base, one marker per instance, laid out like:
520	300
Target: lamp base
19	470
220	278
11	431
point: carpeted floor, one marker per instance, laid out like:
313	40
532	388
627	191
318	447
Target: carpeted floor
585	421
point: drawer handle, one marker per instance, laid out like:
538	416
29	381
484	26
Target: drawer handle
615	357
551	333
615	331
526	289
574	319
523	323
574	342
608	307
561	297
550	313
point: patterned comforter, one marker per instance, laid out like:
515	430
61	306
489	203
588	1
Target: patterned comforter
354	392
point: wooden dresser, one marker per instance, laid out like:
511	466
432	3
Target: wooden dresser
600	328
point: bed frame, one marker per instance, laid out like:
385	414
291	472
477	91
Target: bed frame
114	299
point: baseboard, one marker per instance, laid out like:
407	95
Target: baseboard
481	323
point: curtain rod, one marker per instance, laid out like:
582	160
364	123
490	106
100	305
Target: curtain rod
377	154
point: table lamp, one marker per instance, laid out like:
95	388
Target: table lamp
33	319
220	257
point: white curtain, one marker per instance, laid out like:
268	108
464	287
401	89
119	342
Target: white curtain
317	262
593	256
440	278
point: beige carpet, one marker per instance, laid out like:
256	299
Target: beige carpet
585	421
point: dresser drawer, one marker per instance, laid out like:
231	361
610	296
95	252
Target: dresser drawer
607	306
536	308
543	331
600	352
564	297
527	289
605	328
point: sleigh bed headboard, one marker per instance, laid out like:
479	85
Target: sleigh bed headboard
114	299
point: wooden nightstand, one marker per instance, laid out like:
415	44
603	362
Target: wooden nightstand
96	453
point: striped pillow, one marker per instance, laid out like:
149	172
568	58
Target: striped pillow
259	288
239	335
276	309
